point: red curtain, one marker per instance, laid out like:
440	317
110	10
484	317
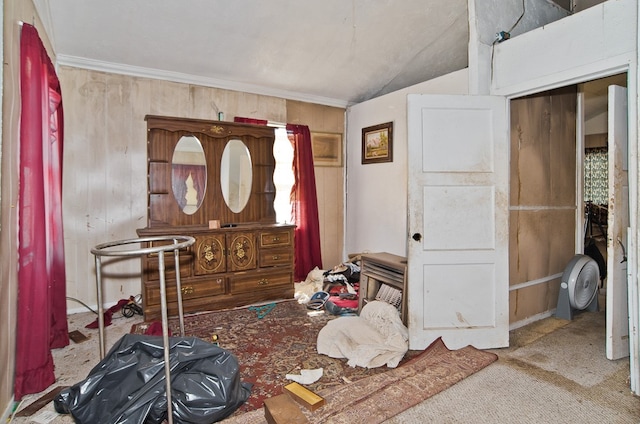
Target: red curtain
42	309
304	203
304	199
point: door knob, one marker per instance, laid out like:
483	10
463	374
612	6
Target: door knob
417	236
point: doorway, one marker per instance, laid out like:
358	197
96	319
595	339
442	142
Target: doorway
551	192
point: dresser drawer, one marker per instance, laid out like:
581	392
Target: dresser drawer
276	238
190	290
276	257
153	274
258	282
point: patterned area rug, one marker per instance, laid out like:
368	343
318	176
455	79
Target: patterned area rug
271	341
374	399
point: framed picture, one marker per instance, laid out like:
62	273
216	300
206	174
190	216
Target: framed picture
377	143
327	149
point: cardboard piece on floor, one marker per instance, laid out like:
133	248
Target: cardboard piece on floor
77	336
304	396
39	403
282	409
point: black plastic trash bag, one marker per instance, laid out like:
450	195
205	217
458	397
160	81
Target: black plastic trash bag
128	385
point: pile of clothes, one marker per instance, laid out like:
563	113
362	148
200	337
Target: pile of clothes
334	290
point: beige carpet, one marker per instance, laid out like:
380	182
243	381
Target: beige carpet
554	372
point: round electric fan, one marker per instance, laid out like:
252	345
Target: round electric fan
579	287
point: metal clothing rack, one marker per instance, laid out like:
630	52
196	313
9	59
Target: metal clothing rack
163	244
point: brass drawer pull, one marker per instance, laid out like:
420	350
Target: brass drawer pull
187	290
276	257
276	239
263	282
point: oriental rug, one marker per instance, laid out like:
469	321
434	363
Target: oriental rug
374	399
270	341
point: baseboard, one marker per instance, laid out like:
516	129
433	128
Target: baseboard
8	411
527	321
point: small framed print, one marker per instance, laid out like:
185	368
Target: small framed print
377	143
327	149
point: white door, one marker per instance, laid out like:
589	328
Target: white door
617	224
458	221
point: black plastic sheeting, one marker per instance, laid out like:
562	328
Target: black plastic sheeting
128	385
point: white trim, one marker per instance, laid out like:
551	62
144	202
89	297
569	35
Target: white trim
540	208
535	282
7	415
580	155
605	68
534	318
138	71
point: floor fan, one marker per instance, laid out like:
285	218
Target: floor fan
579	287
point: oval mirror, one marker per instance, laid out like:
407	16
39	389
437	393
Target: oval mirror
188	174
236	175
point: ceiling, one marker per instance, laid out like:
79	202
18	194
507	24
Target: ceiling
333	52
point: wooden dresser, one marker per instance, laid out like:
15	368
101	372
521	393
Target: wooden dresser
240	256
224	268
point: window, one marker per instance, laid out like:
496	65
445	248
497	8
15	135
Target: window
283	177
596	182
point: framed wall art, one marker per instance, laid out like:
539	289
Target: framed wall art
327	149
377	143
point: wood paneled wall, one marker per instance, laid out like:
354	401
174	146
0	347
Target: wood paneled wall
542	199
105	155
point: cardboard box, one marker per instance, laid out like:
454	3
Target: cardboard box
283	410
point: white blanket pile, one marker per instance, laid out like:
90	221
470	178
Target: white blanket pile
375	338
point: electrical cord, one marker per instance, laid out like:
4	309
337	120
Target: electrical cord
519	19
505	35
129	310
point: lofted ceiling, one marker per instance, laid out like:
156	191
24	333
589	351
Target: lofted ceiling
333	52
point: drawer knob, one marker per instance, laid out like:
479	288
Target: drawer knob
263	282
276	257
187	290
276	239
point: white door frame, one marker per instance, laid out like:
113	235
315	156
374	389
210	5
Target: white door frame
604	42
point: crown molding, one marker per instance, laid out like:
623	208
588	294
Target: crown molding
137	71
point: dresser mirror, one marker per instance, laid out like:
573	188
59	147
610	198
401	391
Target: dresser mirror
188	174
236	175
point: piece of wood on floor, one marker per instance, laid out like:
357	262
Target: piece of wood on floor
282	409
77	336
304	396
40	402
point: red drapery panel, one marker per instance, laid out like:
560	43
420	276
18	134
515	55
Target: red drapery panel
42	310
250	121
304	200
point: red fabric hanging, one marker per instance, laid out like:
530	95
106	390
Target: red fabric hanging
304	200
304	203
250	121
42	310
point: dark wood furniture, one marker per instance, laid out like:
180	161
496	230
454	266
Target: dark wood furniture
378	270
249	258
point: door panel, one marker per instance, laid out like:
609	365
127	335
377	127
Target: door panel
458	221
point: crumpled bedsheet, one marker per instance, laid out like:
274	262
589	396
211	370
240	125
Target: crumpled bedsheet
375	338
